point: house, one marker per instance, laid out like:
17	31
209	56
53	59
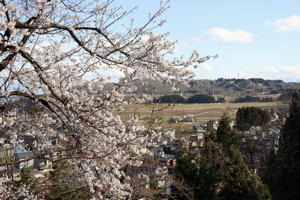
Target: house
23	159
273	131
42	164
169	149
274	117
196	141
157	174
173	120
169	136
183	142
158	152
2	140
144	180
200	128
188	118
26	159
231	122
164	152
263	141
197	136
19	149
212	124
151	174
6	150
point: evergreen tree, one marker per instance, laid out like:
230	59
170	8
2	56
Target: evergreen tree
225	135
26	177
283	175
220	172
63	186
238	181
251	116
200	178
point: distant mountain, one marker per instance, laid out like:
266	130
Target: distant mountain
223	87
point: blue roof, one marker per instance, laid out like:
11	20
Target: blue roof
24	155
52	139
19	149
277	131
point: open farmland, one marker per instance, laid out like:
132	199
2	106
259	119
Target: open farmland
201	112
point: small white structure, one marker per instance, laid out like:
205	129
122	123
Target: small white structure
212	124
26	158
200	128
188	118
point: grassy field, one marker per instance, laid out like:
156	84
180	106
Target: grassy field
201	112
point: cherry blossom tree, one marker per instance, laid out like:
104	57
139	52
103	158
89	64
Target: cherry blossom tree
55	53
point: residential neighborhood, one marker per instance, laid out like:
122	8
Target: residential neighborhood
155	174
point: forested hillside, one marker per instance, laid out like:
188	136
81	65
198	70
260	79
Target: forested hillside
221	86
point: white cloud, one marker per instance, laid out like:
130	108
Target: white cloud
228	36
245	75
272	70
204	70
286	24
288	72
207	67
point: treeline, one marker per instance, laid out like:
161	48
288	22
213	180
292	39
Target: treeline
252	99
198	98
287	94
204	98
251	116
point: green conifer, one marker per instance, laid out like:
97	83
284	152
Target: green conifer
283	173
220	172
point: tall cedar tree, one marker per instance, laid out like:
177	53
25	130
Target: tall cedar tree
283	174
238	181
220	172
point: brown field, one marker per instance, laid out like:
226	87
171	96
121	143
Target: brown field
201	112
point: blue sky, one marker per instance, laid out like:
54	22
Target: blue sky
257	38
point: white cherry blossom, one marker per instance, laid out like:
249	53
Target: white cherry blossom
49	50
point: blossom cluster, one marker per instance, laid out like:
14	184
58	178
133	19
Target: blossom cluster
53	53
